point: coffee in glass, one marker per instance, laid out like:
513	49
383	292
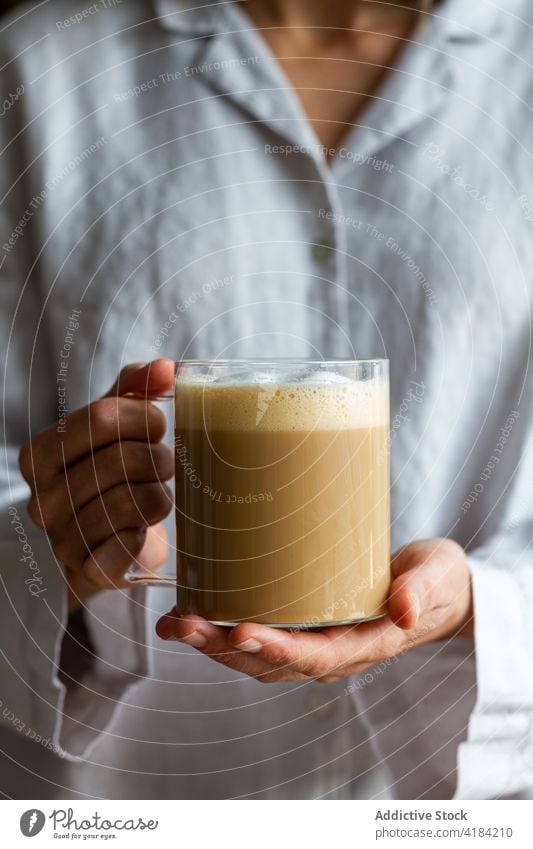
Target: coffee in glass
282	491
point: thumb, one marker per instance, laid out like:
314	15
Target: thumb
404	601
144	380
418	575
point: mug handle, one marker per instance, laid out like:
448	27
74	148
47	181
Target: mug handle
136	576
142	397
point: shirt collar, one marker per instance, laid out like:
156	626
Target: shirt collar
471	21
459	20
195	17
425	73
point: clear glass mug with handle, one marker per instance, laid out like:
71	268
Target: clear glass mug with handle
281	491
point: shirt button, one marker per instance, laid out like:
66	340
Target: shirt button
322	705
322	251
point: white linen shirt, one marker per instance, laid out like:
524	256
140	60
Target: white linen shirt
159	177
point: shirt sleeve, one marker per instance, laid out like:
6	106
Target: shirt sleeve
454	719
497	757
66	710
65	715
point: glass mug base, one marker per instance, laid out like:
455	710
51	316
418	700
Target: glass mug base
136	577
303	626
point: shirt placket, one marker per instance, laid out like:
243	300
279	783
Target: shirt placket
253	80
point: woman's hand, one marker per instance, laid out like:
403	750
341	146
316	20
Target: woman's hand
430	599
97	482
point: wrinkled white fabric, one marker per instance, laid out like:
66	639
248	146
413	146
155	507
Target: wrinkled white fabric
188	211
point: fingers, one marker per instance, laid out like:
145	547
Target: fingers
272	654
428	577
132	461
413	554
89	429
426	581
212	641
314	654
136	462
121	508
145	379
152	555
101	423
97	482
193	630
106	565
405	602
332	652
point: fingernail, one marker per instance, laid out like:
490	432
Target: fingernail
250	645
197	640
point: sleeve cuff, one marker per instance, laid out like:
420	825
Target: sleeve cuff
31	628
34	702
115	620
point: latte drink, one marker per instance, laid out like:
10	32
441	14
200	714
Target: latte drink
282	493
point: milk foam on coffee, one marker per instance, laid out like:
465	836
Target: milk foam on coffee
282	497
322	400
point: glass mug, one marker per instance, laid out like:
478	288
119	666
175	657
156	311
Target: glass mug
282	491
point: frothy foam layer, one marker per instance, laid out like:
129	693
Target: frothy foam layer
319	401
